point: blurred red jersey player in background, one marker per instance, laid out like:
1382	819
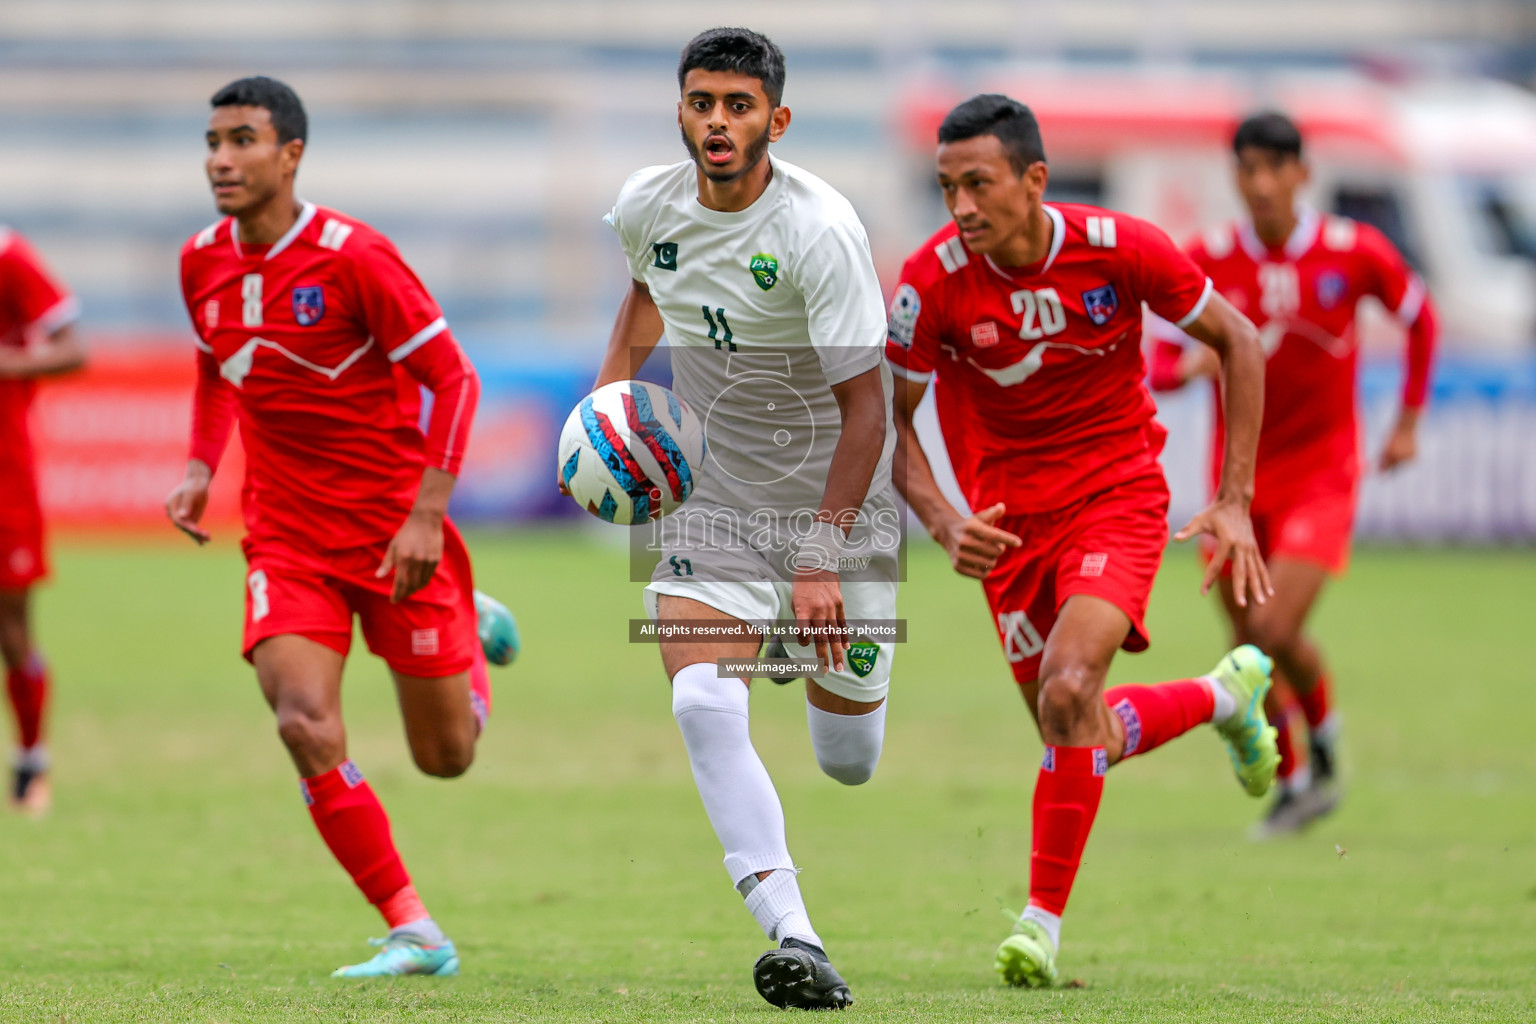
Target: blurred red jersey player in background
1028	316
314	334
37	339
1300	276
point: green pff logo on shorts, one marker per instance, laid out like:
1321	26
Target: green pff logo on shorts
765	269
861	656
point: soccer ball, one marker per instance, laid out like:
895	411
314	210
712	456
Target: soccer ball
630	452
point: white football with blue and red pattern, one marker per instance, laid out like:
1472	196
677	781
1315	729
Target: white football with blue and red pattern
631	451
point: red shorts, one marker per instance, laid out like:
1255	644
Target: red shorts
430	634
1316	526
23	561
1109	545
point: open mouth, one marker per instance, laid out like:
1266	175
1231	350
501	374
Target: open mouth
973	230
718	149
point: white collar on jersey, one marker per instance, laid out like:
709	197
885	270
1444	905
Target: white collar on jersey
1058	239
1303	236
306	214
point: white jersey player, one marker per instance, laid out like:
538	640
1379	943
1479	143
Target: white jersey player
761	277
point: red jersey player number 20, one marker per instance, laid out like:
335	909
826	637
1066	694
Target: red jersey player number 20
1028	316
1039	391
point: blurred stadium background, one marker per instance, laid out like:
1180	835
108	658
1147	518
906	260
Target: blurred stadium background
489	138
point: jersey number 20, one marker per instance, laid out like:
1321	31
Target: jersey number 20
1042	313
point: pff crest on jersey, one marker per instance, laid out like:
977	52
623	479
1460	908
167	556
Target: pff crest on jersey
308	305
765	270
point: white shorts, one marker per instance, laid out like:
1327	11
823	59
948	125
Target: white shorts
746	582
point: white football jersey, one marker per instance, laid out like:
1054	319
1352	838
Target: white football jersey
765	310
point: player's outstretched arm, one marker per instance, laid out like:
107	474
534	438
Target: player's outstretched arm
213	417
60	352
636	330
1226	518
1402	444
974	544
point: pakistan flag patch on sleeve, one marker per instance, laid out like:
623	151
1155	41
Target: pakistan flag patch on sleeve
862	654
765	270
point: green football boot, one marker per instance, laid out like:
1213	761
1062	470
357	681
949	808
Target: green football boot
404	954
1244	673
499	637
1027	958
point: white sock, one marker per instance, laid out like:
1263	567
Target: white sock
1226	704
1327	730
847	746
738	796
779	909
1299	781
32	759
1045	919
425	929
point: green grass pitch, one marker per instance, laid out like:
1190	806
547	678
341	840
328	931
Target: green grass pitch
179	878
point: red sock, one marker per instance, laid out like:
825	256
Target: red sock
1153	715
480	689
403	908
353	824
1287	745
1066	799
1318	702
28	690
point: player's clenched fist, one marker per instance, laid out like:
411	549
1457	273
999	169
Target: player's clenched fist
413	554
975	544
187	502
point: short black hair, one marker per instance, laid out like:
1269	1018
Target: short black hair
1009	121
1270	130
736	49
275	97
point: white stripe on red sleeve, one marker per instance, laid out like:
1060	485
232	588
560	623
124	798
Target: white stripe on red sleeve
418	339
1194	314
450	445
1413	302
65	311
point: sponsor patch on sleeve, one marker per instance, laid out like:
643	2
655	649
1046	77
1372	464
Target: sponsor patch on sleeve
905	305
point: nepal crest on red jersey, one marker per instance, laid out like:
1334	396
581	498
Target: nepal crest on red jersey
308	304
1331	288
1101	303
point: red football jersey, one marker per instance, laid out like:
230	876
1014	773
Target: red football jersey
310	335
32	304
1303	297
1040	386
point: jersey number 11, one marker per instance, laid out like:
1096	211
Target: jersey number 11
719	333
